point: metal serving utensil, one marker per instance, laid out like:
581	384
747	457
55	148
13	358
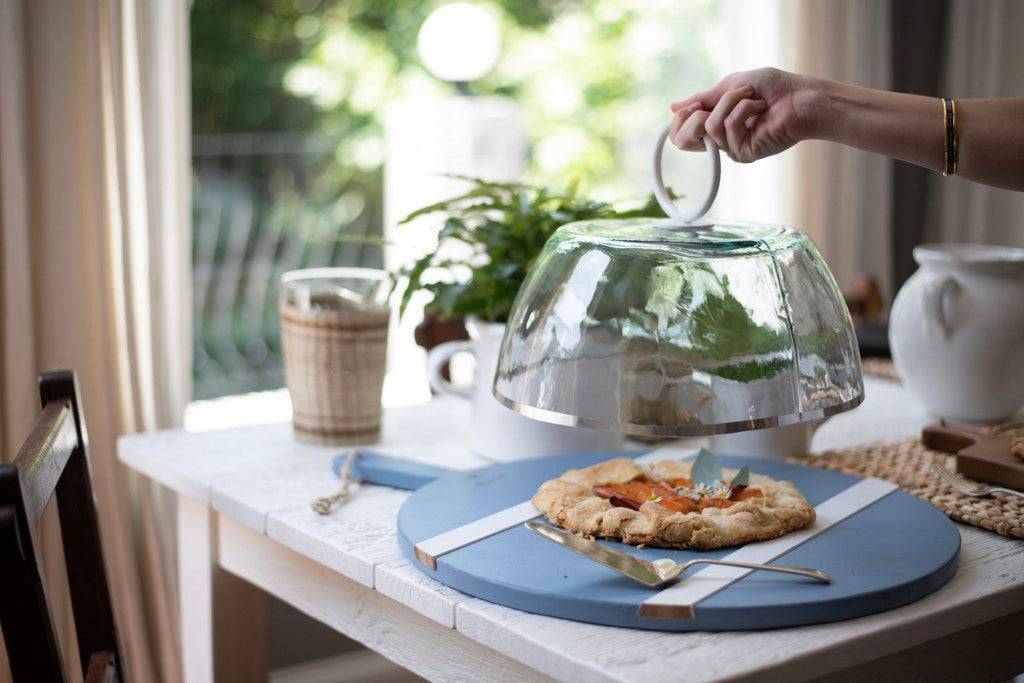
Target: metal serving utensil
967	488
658	572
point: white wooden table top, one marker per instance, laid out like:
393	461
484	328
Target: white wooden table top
262	478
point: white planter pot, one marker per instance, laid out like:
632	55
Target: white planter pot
498	433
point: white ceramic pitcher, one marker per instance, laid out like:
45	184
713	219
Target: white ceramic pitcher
499	433
957	331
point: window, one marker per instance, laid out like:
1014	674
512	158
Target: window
289	115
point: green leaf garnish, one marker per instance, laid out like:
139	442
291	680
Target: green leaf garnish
742	477
706	469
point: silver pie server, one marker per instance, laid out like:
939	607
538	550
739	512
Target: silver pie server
658	572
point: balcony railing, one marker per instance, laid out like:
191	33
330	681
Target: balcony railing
264	204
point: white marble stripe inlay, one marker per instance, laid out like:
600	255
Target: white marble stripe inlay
679	600
429	550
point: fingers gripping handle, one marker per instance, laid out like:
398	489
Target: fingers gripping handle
661	194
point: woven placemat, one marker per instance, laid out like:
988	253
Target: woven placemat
879	367
908	464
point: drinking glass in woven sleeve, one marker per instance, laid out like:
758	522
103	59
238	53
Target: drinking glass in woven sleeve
334	328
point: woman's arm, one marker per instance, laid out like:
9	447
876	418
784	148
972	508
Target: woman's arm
754	114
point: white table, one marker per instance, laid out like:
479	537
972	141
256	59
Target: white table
243	512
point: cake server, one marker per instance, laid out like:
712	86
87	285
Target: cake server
658	572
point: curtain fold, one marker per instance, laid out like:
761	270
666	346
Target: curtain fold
94	180
17	333
982	59
841	196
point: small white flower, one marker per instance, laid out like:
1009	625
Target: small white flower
687	492
717	490
720	490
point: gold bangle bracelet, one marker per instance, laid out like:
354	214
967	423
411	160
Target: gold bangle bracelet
949	140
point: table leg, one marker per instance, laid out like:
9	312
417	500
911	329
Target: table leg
225	632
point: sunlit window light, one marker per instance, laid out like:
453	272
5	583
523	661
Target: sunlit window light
459	42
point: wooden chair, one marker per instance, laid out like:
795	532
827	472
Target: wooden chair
53	464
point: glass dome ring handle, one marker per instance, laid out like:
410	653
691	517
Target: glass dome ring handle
661	194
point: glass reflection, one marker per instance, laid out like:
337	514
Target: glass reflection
649	329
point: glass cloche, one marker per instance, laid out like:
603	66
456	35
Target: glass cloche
679	328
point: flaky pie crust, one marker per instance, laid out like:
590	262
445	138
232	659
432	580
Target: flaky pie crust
569	501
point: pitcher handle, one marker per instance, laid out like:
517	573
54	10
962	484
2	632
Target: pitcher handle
940	303
436	359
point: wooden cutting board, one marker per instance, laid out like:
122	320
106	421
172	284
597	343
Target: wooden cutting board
978	456
893	552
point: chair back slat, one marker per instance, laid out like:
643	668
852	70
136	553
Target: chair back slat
33	649
53	465
43	457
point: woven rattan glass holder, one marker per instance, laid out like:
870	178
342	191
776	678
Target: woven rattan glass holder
334	329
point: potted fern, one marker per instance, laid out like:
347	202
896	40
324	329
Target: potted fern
498	230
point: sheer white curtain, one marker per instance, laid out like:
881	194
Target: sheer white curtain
984	54
842	196
838	196
752	37
94	184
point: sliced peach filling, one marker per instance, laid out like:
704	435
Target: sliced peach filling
633	494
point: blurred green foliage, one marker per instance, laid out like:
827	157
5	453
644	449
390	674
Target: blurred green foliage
241	51
594	78
288	102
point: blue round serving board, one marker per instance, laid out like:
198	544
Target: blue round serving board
889	554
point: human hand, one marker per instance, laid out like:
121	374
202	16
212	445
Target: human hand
751	115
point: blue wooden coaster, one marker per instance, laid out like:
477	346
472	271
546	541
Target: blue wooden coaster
889	554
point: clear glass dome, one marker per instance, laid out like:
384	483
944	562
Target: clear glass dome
650	328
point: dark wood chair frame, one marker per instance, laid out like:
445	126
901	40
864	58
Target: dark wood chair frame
53	464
